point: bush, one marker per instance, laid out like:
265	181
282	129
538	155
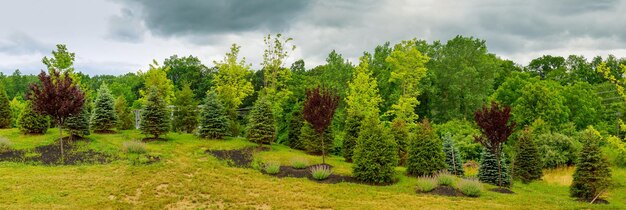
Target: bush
445	179
31	122
104	117
272	167
470	187
352	129
375	155
134	147
426	184
425	152
5	110
310	139
617	151
261	124
488	170
453	156
592	175
321	172
557	149
16	109
463	133
5	144
213	120
155	117
527	163
299	163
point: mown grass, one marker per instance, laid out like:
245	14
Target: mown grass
187	177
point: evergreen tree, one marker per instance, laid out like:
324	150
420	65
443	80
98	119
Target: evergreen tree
527	162
375	155
592	175
400	132
352	129
31	122
261	125
104	117
488	170
213	122
425	152
78	124
125	116
5	110
185	114
311	140
453	156
16	109
295	126
155	118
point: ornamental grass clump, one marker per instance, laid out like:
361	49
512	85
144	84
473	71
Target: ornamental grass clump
134	147
426	183
445	179
470	187
272	167
5	144
321	172
299	163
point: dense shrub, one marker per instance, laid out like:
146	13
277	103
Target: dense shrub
311	140
400	132
470	187
135	147
592	175
427	183
213	120
16	109
375	155
126	117
321	172
463	133
488	170
78	125
5	110
104	117
527	163
185	113
425	152
616	151
557	149
155	118
295	126
5	144
453	156
261	124
352	128
31	122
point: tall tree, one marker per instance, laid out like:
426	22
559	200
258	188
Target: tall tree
319	109
156	77
189	70
261	123
542	99
213	120
5	109
547	66
155	117
592	175
425	152
104	117
185	111
62	60
275	76
125	115
527	164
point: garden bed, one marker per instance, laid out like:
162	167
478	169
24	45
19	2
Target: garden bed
239	157
445	191
51	155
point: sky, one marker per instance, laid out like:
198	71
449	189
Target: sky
119	36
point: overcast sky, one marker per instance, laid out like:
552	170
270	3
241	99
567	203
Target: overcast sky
119	36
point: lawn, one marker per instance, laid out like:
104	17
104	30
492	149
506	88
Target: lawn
186	177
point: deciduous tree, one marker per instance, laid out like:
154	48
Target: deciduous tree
319	109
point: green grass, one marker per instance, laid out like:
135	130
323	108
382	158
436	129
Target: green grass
187	177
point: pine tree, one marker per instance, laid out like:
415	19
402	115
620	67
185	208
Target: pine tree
78	125
155	118
311	140
352	129
31	122
295	126
527	163
5	110
185	114
261	125
104	117
488	170
400	132
125	116
425	152
453	156
375	155
592	175
213	122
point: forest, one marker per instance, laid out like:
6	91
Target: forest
442	118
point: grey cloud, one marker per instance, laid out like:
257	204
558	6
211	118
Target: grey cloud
22	44
126	27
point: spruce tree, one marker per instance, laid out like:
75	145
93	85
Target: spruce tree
31	122
527	163
5	110
453	156
352	128
311	140
400	132
261	124
155	117
104	117
125	116
185	114
78	125
592	175
295	127
376	155
488	170
425	152
213	120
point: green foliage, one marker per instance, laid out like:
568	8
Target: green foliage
155	117
261	124
425	152
583	103
126	117
78	125
31	122
453	156
321	172
400	132
189	70
61	60
104	117
134	147
427	183
592	175
5	109
299	163
363	98
156	77
543	100
527	164
488	170
508	93
445	179
213	120
311	141
5	145
16	109
617	149
232	82
375	155
272	167
351	135
470	187
463	133
295	126
185	111
408	70
557	149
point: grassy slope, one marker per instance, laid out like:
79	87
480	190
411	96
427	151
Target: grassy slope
188	178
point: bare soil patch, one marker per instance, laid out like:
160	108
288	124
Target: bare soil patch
502	190
51	155
238	158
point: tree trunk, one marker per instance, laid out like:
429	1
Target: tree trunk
453	162
323	148
61	141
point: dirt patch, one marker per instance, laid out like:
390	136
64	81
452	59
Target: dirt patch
12	155
445	191
51	155
151	139
239	157
597	201
105	132
288	171
502	190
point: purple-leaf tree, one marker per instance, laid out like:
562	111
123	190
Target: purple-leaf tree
495	128
58	97
319	109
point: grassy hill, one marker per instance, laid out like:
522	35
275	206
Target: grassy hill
185	176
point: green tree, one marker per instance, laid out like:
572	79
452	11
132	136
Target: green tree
425	152
104	117
5	109
126	117
488	170
543	100
527	164
213	120
311	140
31	122
352	128
261	124
185	112
189	70
295	126
592	175
78	124
155	117
583	103
375	156
400	132
463	133
511	89
453	156
62	60
275	76
16	109
548	67
156	77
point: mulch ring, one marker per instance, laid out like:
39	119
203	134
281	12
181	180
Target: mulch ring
597	201
445	191
502	190
51	155
239	158
288	171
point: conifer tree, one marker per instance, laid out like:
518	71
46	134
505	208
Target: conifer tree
527	163
5	110
155	118
400	132
125	116
295	128
16	109
185	114
376	155
31	122
311	140
261	124
213	122
592	176
78	124
488	170
352	129
453	156
425	152
104	117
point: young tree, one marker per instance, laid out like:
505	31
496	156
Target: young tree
352	128
375	155
156	77
261	124
125	115
155	118
57	97
425	152
491	172
593	175
295	126
78	124
213	120
16	109
319	109
5	110
400	132
495	127
453	156
527	164
62	60
104	117
185	113
31	122
275	76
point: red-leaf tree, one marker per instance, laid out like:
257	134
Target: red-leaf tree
319	109
58	97
495	128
